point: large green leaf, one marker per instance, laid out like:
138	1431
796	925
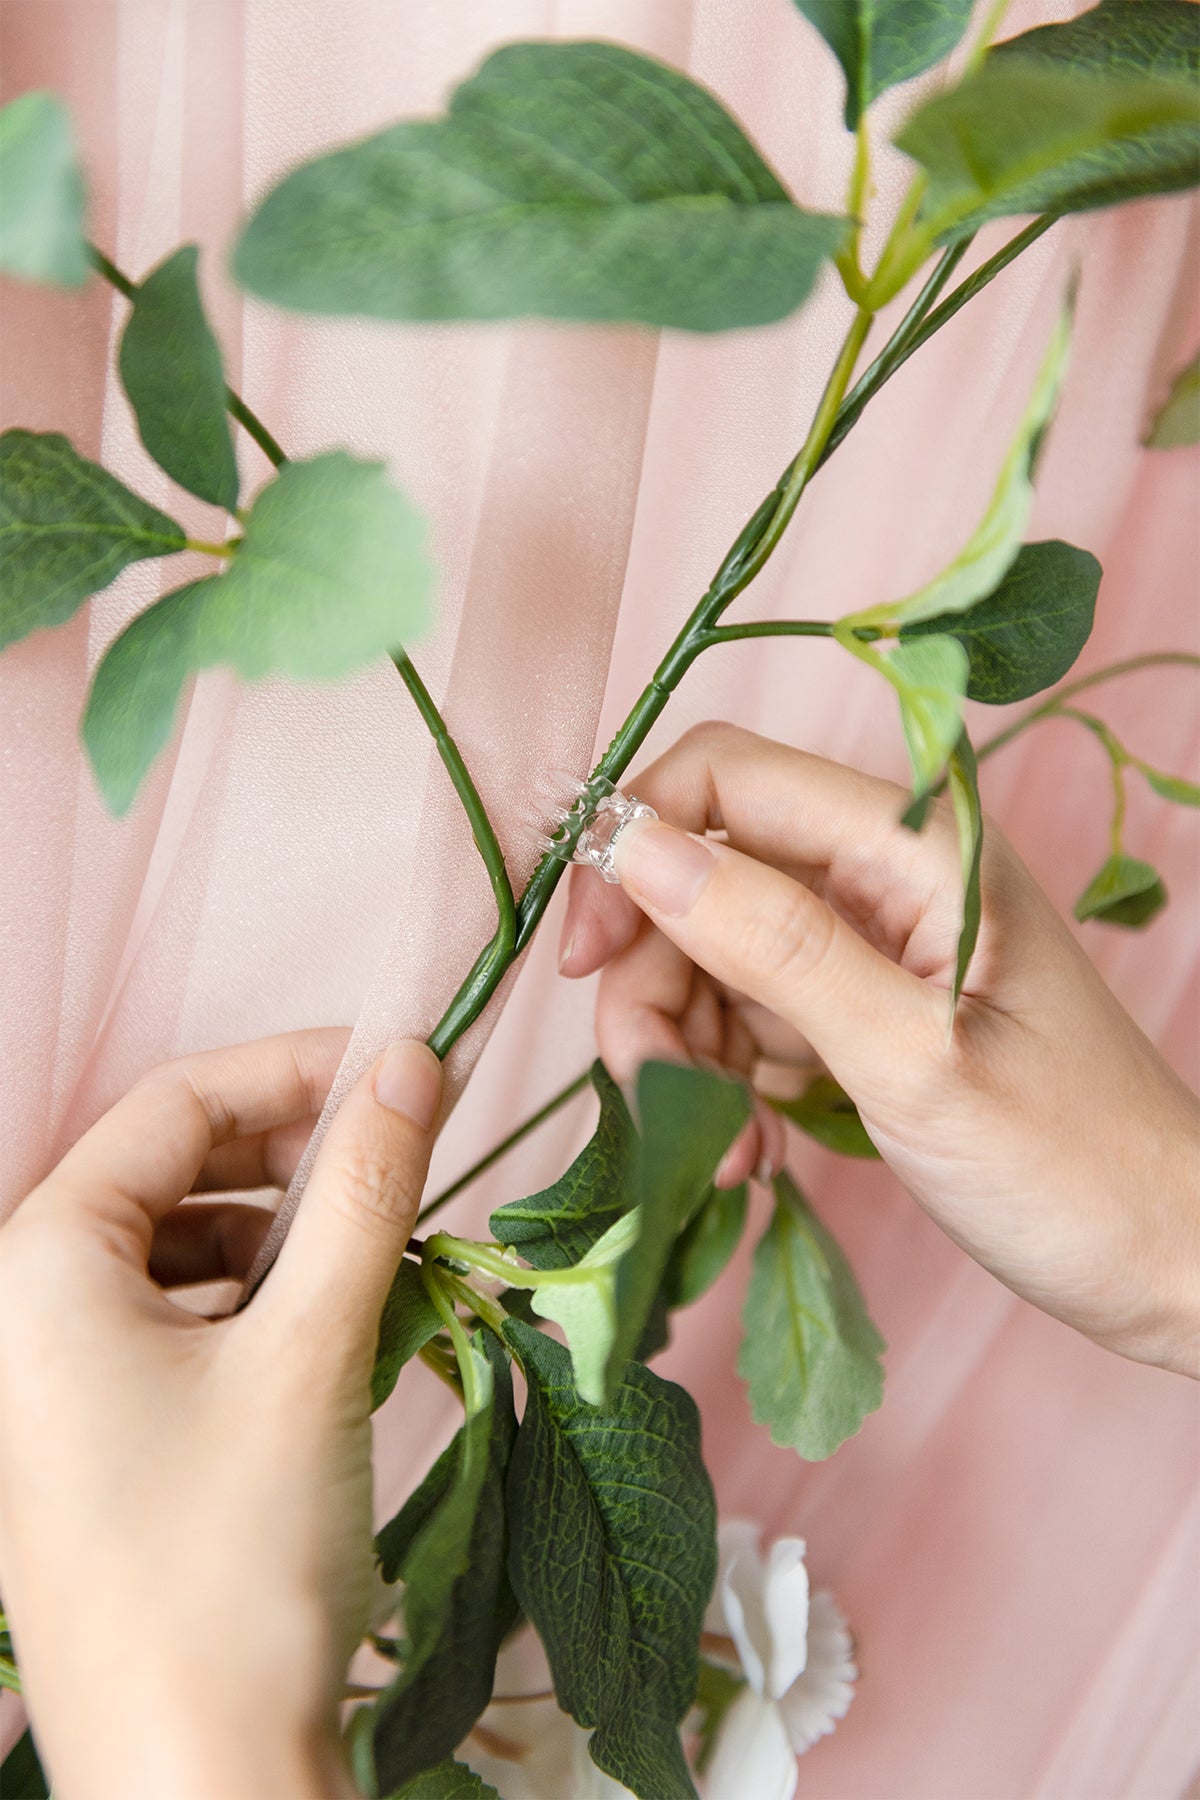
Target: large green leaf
1177	422
1125	891
571	181
171	366
703	1249
450	1780
1065	118
449	1544
554	1228
963	781
42	199
826	1112
880	43
810	1355
67	528
408	1321
1026	634
21	1777
332	572
614	1557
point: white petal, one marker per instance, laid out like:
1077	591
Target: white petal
591	1783
785	1607
753	1756
734	1536
745	1617
822	1695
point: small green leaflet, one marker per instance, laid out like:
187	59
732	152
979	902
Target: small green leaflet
585	1305
826	1111
449	1544
332	571
1026	634
1124	892
614	1557
67	528
810	1354
881	43
449	1781
930	676
963	780
553	1229
704	1248
42	198
1178	421
570	181
1171	787
171	368
408	1322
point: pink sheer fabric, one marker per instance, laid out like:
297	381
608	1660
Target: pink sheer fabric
1014	1536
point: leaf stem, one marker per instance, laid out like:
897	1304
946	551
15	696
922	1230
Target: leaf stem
221	550
1046	709
760	628
505	1145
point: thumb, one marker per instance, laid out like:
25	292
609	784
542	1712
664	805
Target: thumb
774	940
357	1213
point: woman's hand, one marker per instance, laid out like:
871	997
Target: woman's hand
1046	1135
185	1504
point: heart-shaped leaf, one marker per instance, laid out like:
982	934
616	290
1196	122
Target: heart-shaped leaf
67	528
881	43
1124	892
554	1228
332	571
826	1112
42	198
568	181
1171	787
408	1321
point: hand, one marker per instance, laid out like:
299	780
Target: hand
1046	1135
185	1504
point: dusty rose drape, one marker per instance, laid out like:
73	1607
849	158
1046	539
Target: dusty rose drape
1015	1536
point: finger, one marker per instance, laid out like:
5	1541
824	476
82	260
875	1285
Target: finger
208	1241
347	1238
778	943
143	1156
266	1159
644	994
600	921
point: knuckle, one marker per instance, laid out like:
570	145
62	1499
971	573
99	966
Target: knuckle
783	944
374	1191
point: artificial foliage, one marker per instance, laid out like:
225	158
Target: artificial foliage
589	182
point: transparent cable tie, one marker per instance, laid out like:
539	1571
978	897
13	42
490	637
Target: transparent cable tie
586	826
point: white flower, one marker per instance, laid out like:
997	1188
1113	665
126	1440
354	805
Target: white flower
797	1658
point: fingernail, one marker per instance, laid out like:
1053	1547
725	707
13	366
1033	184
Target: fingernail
409	1081
565	951
664	867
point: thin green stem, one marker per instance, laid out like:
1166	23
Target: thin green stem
762	628
435	1288
506	1144
482	1305
10	1676
1154	659
499	1267
221	550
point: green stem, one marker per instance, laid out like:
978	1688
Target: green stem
761	628
10	1676
1154	659
221	550
506	1144
498	1267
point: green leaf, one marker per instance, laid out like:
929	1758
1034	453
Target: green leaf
571	181
930	676
585	1305
408	1322
450	1780
171	367
1124	892
553	1229
704	1248
332	572
963	781
717	1690
689	1118
42	198
881	43
614	1557
449	1544
826	1111
21	1777
1065	118
67	528
810	1355
1171	787
1178	420
1029	630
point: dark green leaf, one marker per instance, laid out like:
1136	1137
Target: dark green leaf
810	1356
1178	421
717	1690
614	1557
1033	131
704	1248
42	197
828	1114
1027	633
573	181
963	781
553	1229
449	1544
1124	892
917	811
881	43
67	528
448	1781
21	1777
171	366
331	573
930	676
1172	787
409	1320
